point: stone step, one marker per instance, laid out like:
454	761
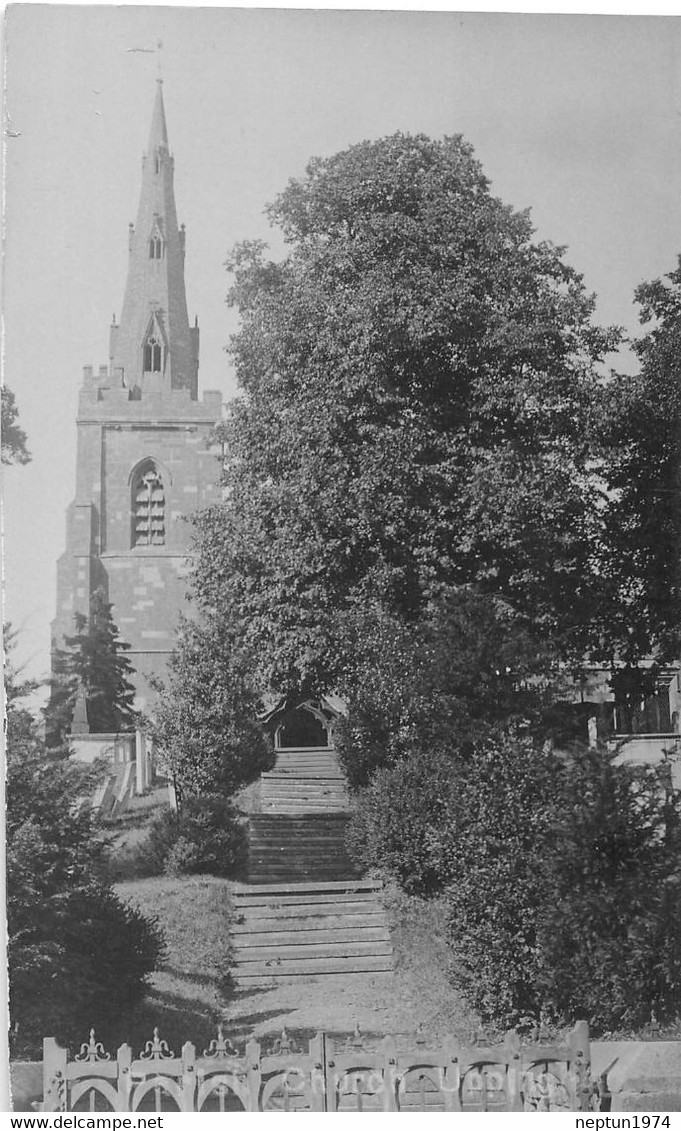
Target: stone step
302	845
286	750
282	858
299	837
325	797
289	787
314	777
243	891
302	872
258	899
325	802
304	967
270	839
313	909
304	937
293	788
304	806
283	773
329	764
298	765
308	854
247	955
306	848
328	824
306	760
303	869
326	922
265	877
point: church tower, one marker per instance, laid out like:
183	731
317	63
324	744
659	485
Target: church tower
142	456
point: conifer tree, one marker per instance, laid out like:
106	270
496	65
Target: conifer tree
93	661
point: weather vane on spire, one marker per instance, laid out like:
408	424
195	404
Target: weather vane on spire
159	48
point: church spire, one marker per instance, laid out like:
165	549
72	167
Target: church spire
158	136
154	346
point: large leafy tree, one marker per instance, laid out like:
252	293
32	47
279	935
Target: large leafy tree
419	391
93	662
642	425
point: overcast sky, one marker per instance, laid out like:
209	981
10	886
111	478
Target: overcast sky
576	117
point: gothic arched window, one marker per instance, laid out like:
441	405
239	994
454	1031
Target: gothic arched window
155	247
148	507
152	355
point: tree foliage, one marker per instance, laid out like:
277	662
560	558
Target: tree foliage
77	955
14	440
560	871
642	427
205	728
421	688
204	835
93	661
419	389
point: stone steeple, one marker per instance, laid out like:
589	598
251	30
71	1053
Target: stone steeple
144	455
153	347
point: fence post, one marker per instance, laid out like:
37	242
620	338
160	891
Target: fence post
188	1054
330	1075
451	1075
54	1076
140	768
317	1077
580	1067
389	1051
124	1066
513	1072
252	1054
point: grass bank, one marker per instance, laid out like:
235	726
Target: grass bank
189	994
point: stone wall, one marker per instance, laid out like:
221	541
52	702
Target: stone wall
641	1075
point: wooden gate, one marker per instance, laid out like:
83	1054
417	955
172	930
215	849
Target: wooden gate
331	1074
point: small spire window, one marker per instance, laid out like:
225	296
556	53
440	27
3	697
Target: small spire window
156	247
148	506
153	356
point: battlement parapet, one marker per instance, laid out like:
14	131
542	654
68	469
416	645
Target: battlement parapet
104	397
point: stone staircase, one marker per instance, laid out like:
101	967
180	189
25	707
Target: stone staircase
291	931
285	848
306	780
305	912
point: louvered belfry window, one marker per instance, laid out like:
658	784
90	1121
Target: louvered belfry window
152	356
149	508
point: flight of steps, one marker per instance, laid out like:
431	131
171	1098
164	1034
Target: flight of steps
290	931
285	849
304	911
306	780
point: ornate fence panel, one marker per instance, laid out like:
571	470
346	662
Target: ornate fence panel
331	1075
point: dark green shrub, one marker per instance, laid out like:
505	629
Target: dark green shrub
565	891
610	939
560	869
204	836
77	955
78	960
499	847
400	821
